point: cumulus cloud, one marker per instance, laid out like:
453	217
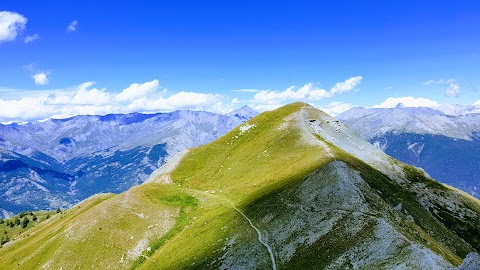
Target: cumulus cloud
181	100
85	99
40	78
31	38
409	101
347	85
308	92
72	27
83	96
11	24
336	107
453	90
136	90
24	109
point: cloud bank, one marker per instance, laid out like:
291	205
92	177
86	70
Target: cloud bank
85	99
149	97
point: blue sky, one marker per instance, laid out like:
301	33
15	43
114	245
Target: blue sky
166	55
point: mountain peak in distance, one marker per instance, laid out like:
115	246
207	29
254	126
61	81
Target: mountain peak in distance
245	112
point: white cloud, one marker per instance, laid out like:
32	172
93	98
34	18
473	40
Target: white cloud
336	107
82	96
441	81
477	103
309	92
29	39
72	27
453	90
24	109
85	99
347	85
269	96
11	24
181	100
409	101
136	90
40	78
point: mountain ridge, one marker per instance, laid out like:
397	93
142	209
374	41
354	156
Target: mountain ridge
291	174
446	146
60	162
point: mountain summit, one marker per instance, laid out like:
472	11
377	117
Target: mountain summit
289	189
244	112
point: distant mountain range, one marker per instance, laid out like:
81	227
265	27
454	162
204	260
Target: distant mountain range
444	141
57	163
291	188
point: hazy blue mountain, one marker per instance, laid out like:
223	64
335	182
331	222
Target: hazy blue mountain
56	163
444	141
244	113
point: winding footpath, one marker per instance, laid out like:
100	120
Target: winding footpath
260	239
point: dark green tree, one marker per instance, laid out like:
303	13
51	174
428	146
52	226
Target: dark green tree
58	210
25	222
2	221
34	218
17	221
4	240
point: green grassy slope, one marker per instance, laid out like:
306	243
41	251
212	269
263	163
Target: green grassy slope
312	207
12	227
